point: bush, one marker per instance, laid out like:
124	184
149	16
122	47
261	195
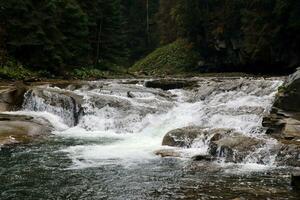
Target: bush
11	69
174	58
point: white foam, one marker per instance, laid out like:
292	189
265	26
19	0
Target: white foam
135	136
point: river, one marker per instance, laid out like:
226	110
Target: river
104	148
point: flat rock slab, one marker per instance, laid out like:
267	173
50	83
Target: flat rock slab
15	129
167	153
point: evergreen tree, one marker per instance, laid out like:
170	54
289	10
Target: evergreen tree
45	34
106	35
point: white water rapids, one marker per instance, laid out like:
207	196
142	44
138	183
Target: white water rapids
125	123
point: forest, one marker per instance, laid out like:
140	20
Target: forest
82	38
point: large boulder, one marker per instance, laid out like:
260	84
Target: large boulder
16	129
225	143
234	147
66	104
182	137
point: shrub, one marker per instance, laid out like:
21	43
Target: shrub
177	57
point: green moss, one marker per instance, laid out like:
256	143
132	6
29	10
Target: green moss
174	58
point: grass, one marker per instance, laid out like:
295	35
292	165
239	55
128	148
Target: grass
174	58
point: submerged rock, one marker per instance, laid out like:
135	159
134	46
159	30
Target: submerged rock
167	153
203	158
169	84
16	129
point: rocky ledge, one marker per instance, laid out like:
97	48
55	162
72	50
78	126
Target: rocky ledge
283	123
15	129
227	144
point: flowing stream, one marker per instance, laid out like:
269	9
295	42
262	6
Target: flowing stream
103	147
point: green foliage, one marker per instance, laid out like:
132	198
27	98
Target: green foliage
11	69
45	34
58	36
176	57
95	73
258	35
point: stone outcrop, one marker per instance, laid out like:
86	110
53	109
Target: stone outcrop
11	97
64	103
234	147
284	121
15	129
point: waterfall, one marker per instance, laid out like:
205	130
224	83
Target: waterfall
126	122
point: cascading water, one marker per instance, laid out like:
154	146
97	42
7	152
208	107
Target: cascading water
125	123
106	132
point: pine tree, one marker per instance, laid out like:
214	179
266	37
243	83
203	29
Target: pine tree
45	34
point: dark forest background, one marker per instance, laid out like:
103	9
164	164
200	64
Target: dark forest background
56	37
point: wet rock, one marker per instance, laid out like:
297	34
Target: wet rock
291	129
167	153
203	158
295	181
288	97
169	84
15	129
101	101
289	154
182	137
233	146
11	97
283	123
66	104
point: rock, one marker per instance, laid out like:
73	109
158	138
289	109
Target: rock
295	181
233	146
203	158
16	129
182	137
288	98
66	104
291	129
11	97
283	123
102	100
167	153
289	154
169	84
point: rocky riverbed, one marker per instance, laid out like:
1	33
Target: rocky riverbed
224	127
